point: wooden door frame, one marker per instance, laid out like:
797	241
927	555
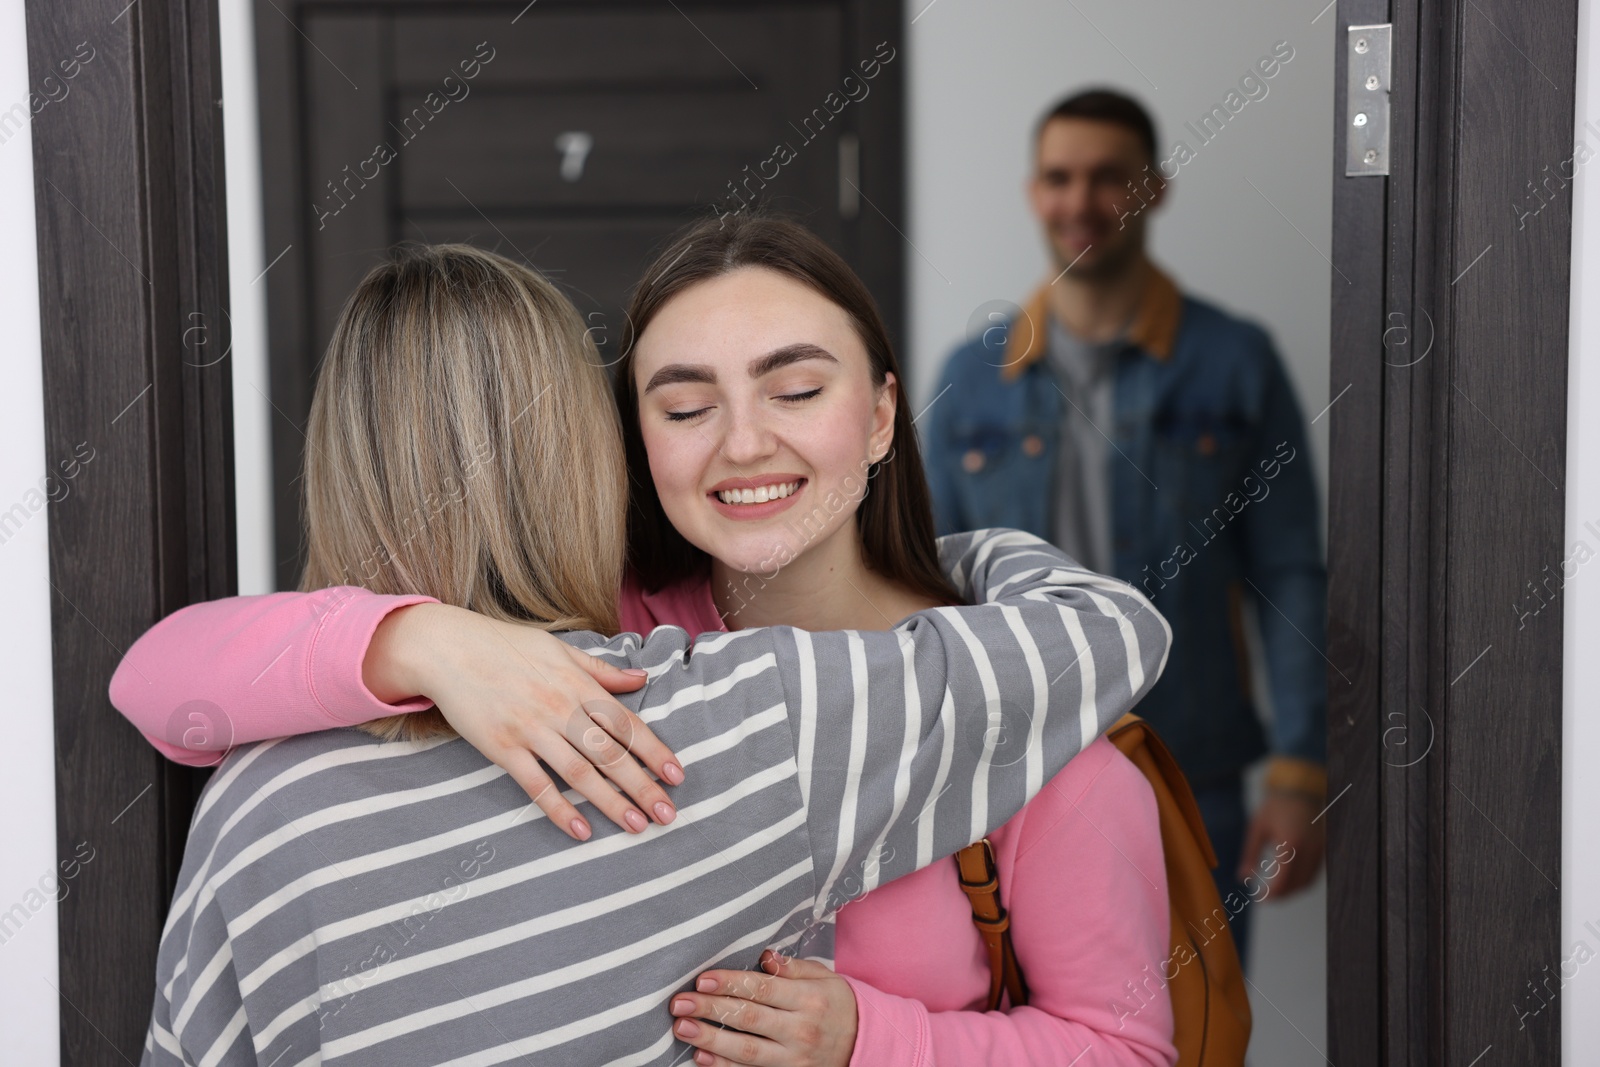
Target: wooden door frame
133	282
1445	708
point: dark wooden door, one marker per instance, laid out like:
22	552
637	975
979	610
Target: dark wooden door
1446	498
574	137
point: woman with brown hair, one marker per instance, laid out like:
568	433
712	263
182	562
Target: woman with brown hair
760	392
776	480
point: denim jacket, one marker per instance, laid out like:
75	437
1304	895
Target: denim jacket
1213	503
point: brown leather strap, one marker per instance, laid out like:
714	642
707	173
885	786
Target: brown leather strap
980	881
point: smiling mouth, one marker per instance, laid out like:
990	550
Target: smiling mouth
760	495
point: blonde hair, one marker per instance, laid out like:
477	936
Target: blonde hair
463	444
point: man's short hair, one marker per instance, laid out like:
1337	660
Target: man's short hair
1104	105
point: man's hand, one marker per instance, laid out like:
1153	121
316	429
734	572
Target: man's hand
1285	817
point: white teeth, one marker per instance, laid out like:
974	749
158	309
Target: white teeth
760	495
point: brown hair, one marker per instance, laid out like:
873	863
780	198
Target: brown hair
1103	105
462	445
895	517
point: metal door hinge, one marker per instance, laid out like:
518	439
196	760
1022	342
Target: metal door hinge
1366	105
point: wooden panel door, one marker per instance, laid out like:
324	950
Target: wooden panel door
574	137
1446	498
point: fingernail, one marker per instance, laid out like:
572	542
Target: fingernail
706	985
688	1028
664	812
704	1058
672	772
635	672
635	821
682	1006
580	829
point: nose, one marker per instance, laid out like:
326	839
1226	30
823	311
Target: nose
746	438
1077	201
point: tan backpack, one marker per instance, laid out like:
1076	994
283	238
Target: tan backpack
1210	1007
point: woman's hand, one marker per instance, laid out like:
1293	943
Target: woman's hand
518	695
797	1014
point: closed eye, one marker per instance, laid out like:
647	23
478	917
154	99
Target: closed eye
795	398
685	416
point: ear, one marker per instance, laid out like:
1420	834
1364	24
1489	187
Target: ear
1159	190
883	418
1032	189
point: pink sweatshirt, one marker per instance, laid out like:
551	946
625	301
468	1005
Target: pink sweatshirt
1084	879
1081	867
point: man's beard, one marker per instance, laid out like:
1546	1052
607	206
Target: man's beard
1112	264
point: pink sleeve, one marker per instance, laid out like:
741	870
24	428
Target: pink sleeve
1089	915
248	668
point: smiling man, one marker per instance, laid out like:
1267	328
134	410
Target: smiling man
1155	437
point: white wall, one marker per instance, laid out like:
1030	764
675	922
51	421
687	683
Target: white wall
1580	743
247	297
979	76
29	1005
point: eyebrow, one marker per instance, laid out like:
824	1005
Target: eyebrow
783	357
674	373
699	373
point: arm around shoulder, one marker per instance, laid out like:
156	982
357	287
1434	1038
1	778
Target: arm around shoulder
240	669
973	709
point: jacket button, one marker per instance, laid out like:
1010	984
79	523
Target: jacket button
973	461
1033	445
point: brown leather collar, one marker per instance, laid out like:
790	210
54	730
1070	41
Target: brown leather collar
1154	327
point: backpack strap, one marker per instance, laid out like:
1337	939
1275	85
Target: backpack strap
980	881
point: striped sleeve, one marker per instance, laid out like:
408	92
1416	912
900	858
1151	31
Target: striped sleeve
942	729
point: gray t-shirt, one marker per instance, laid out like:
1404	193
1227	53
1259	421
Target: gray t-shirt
1086	374
352	901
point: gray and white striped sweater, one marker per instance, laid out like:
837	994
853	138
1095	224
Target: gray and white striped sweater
345	900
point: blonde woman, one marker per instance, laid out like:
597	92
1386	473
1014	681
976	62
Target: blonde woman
355	899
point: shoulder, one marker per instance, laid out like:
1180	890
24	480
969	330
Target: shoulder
687	604
254	813
974	364
974	396
1229	360
282	778
1099	771
1215	332
1100	791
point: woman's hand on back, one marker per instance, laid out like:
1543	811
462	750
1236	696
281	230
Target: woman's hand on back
520	695
791	1013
